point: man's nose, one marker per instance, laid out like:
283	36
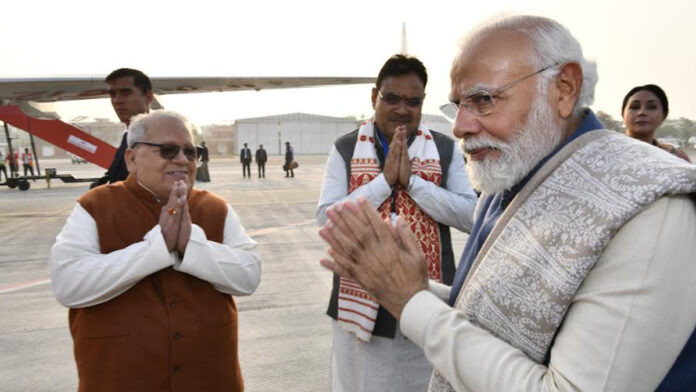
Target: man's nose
180	157
465	123
402	107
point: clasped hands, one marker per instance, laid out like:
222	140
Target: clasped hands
175	220
384	258
397	165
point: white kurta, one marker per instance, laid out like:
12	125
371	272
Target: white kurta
452	205
384	364
82	276
625	327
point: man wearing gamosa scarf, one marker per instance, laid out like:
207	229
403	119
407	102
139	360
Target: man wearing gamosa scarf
579	272
403	169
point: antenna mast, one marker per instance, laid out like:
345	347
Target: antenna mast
403	39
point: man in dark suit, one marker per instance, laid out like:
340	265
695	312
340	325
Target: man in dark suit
245	157
131	94
261	159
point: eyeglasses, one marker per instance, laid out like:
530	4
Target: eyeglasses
393	99
482	102
170	151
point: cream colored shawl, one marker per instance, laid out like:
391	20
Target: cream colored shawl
552	233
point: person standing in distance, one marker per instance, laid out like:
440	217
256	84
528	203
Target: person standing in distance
261	158
289	157
245	158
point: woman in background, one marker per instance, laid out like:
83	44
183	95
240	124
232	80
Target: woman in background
644	108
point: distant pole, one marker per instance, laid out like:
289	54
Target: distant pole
9	147
404	51
280	143
36	157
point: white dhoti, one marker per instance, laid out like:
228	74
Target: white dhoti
382	365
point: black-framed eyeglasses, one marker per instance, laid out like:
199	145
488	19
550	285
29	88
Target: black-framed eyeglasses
170	151
482	102
393	99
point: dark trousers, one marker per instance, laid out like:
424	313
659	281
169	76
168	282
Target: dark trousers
262	169
30	168
246	169
14	170
4	170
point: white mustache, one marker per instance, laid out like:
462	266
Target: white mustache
471	143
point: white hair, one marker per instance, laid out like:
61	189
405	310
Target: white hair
139	123
553	45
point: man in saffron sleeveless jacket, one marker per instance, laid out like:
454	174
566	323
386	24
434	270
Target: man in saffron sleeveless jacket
148	267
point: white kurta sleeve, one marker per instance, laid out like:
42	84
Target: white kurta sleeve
232	267
334	188
453	205
83	276
440	290
625	327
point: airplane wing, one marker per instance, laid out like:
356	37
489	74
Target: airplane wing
16	90
18	94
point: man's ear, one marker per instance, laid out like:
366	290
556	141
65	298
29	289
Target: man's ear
150	96
374	96
129	157
568	84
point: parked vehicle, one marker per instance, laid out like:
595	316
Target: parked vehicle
74	159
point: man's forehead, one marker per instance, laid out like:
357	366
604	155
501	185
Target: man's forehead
166	128
122	83
409	81
490	61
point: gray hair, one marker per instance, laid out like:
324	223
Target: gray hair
139	123
552	45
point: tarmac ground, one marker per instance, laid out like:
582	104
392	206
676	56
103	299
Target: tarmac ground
284	334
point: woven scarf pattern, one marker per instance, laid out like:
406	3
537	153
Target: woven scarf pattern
357	310
554	231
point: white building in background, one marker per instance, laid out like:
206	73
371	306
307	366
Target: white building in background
438	123
307	133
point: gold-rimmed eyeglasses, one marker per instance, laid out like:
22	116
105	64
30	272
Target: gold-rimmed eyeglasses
482	102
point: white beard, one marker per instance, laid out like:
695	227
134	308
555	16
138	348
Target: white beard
516	156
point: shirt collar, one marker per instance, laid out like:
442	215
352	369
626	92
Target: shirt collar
382	141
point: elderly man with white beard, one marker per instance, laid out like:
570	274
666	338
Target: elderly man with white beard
581	255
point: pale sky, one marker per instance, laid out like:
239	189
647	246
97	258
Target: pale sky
632	42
